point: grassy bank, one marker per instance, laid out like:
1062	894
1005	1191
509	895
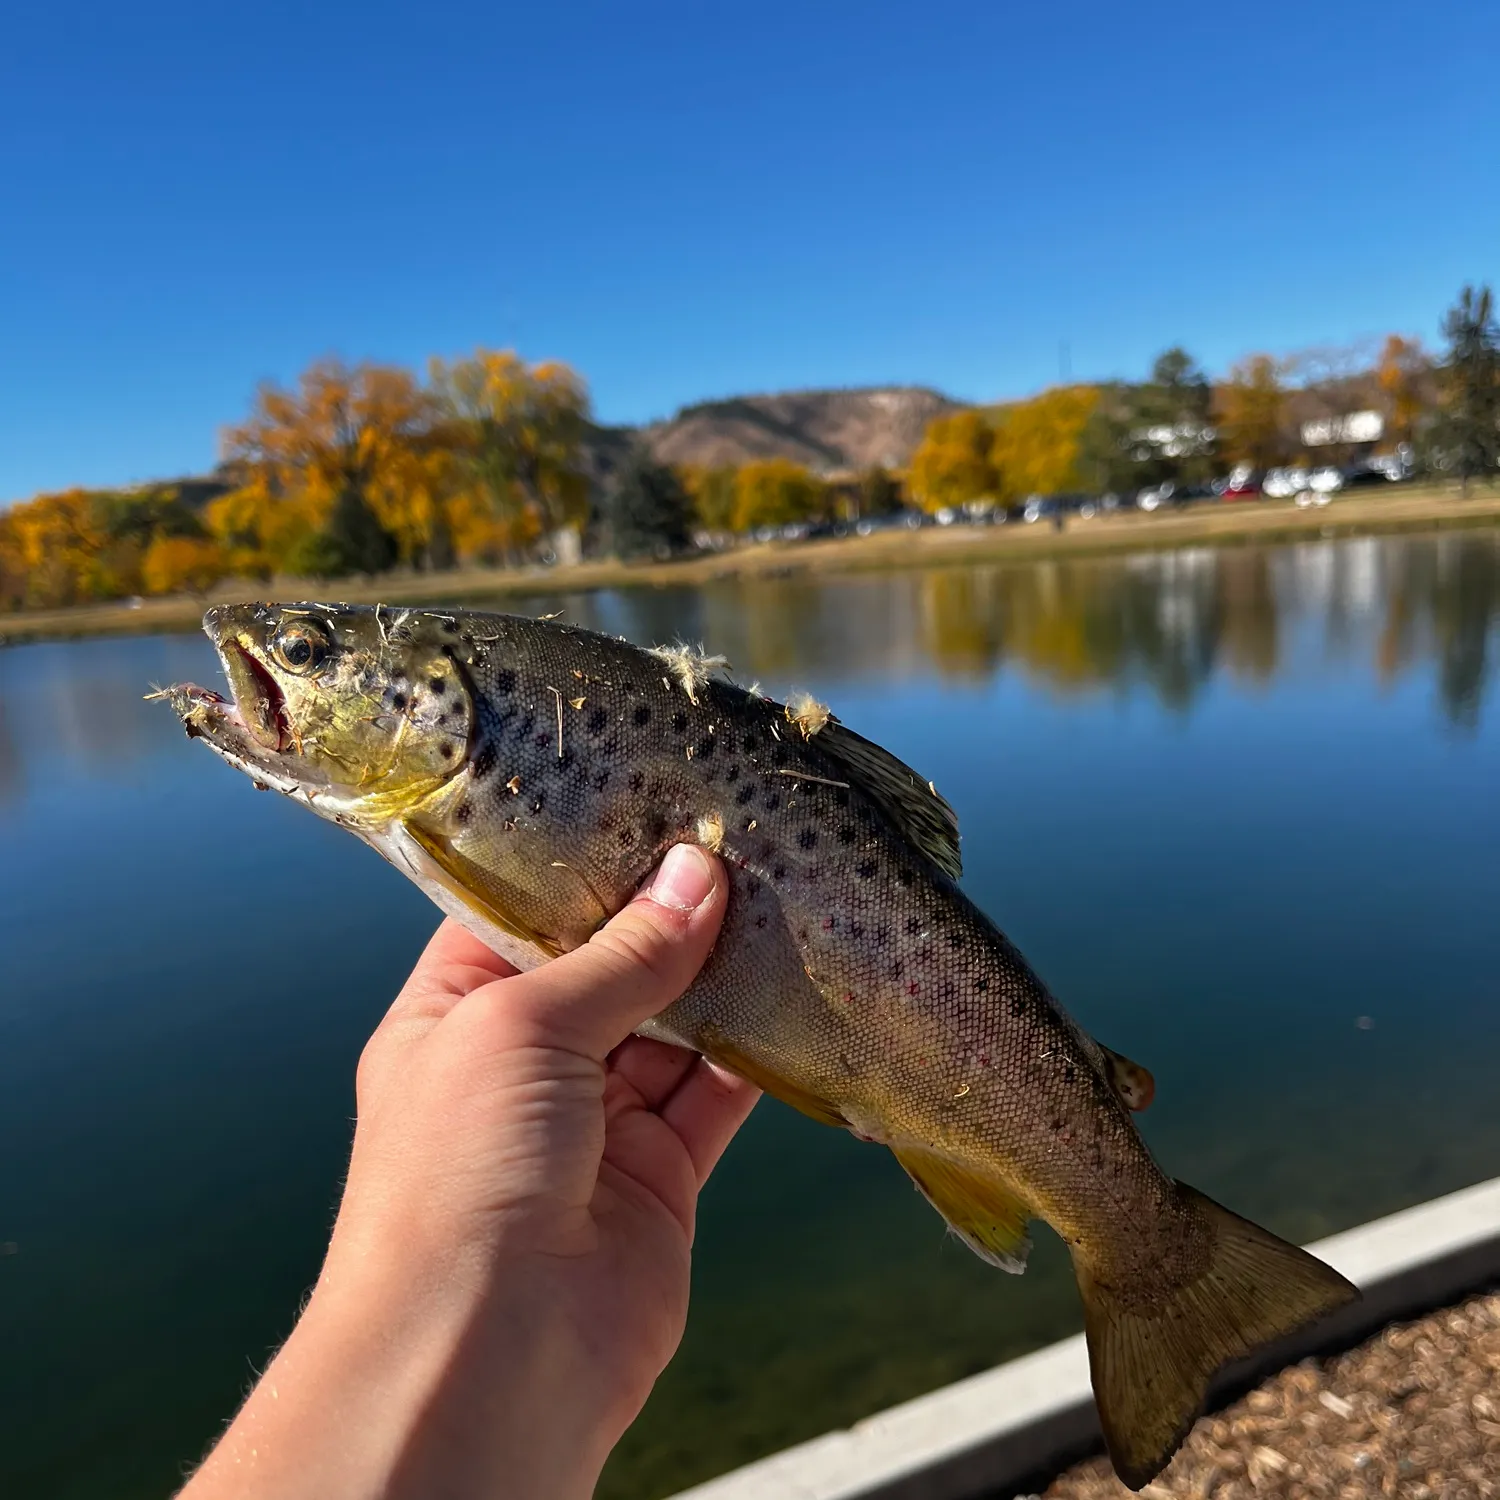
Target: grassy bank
1366	514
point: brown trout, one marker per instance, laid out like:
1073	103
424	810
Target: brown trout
528	775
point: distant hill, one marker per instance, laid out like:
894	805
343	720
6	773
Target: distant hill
828	431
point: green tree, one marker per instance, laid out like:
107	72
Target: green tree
650	511
1147	434
1468	428
351	540
879	492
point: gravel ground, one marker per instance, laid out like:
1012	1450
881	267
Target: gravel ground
1414	1413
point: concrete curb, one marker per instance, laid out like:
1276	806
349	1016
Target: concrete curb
1027	1419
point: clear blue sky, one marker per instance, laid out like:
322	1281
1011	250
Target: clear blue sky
697	199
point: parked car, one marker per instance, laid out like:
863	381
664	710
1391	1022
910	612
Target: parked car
1241	483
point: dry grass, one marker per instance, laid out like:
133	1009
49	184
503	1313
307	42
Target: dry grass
1414	1413
1403	510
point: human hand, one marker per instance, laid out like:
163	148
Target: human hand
508	1273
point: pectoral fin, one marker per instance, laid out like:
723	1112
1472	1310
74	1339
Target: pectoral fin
1135	1086
462	879
983	1212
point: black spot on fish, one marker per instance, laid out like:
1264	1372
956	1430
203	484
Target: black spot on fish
773	802
749	744
597	720
896	969
398	702
760	921
626	837
538	802
955	939
906	877
856	929
982	984
611	747
601	780
746	795
637	781
865	868
505	681
732	774
484	761
463	812
1057	1125
840	797
656	827
1018	1006
437	685
847	835
808	838
752	888
641	717
679	721
656	788
913	925
779	873
1069	1073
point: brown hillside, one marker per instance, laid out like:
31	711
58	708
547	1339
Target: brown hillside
828	431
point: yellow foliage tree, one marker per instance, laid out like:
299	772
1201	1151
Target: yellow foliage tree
953	463
713	494
516	433
776	492
1036	445
1401	371
57	545
1251	411
183	564
361	430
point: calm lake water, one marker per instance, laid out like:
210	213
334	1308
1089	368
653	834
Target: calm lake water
1241	809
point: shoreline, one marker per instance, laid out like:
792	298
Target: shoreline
1237	524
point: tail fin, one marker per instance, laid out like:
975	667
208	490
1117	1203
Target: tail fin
1151	1360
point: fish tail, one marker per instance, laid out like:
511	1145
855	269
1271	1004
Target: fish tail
1152	1359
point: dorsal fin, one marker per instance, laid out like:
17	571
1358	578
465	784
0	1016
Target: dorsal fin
911	803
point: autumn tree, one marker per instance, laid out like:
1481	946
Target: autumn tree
1251	407
1037	442
349	449
775	492
1402	374
517	434
953	462
712	492
650	511
182	564
1468	429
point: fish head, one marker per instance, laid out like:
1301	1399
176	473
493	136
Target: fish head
362	712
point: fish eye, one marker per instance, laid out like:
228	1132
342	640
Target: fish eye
302	647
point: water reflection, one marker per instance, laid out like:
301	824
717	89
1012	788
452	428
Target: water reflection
1167	623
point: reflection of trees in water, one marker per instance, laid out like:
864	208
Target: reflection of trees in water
1247	617
1443	600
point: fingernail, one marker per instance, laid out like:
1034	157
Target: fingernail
684	880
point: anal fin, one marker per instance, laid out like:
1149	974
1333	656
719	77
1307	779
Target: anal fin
983	1212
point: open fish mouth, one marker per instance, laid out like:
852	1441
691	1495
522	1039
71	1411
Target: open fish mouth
258	700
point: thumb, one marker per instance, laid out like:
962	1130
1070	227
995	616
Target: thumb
588	1001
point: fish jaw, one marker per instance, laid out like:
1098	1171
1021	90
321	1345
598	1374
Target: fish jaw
240	740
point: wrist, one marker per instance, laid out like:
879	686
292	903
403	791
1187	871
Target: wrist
442	1395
